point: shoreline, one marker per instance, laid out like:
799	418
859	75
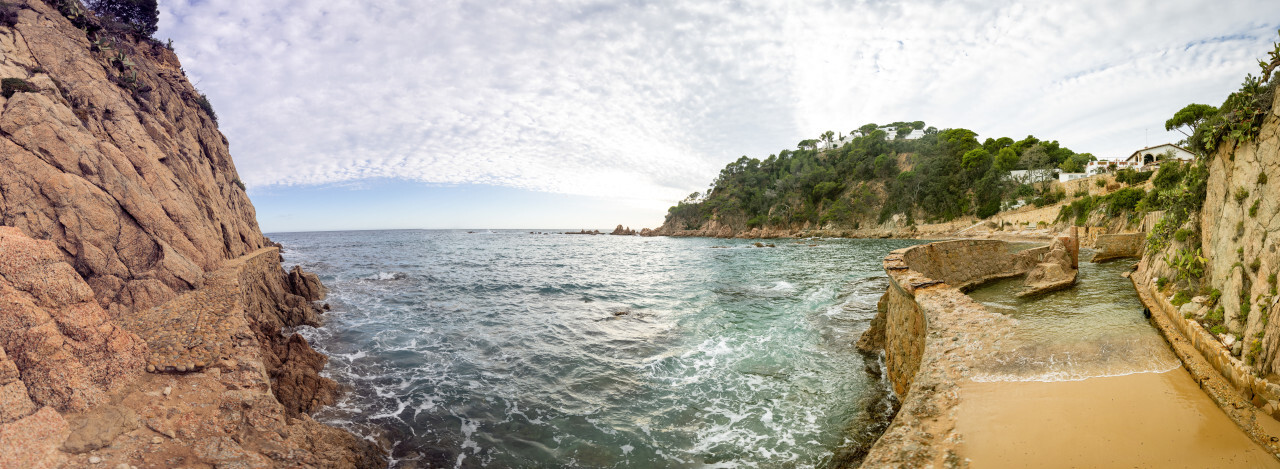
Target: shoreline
939	336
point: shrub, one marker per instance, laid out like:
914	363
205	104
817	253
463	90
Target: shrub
1049	198
1101	182
9	86
1215	316
1255	265
1169	176
1182	235
1124	200
1255	349
203	102
1241	194
1181	298
1161	282
1214	296
1253	210
1262	178
8	14
142	16
1217	330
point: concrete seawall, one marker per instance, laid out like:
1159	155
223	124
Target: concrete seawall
934	336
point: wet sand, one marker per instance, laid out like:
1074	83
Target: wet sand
1138	420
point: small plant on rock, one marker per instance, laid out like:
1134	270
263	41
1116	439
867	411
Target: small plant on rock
1180	298
1241	194
1262	178
10	86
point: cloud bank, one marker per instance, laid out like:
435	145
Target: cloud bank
647	100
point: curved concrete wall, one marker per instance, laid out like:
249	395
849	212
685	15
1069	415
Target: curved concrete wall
934	335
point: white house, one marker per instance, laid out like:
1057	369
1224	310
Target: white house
1029	176
1064	177
915	134
1148	156
1095	168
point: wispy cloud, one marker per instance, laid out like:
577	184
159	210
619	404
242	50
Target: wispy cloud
647	100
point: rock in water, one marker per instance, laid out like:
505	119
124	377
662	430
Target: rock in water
1054	272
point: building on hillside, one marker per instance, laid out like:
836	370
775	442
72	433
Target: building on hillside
1095	168
1030	176
1149	158
915	134
1064	177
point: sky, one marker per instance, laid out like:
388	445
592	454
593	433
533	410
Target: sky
589	114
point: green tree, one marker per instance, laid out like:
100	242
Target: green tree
1187	119
829	137
141	15
1006	160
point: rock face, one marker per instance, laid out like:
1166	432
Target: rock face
1056	270
1116	246
69	354
137	189
1237	238
118	200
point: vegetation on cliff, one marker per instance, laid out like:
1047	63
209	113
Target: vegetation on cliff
875	174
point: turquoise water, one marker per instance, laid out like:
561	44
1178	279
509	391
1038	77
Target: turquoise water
1093	329
510	349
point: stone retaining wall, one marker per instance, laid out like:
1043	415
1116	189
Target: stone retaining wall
1241	395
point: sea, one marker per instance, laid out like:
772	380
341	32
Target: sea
518	348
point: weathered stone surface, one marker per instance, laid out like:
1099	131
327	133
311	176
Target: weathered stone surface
297	380
33	441
1055	271
135	201
67	352
873	339
98	428
306	284
136	187
620	231
935	336
1115	246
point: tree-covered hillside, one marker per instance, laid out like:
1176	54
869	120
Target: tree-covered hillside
871	176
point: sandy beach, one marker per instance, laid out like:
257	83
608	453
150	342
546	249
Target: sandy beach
1139	420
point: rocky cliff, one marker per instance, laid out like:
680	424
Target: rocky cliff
1217	272
120	206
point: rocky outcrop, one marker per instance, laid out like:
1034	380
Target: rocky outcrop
620	231
1240	216
69	353
1056	270
135	185
306	284
120	204
1116	246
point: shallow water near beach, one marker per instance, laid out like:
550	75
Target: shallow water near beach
1093	329
511	349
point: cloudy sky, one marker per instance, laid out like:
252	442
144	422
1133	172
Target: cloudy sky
586	114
